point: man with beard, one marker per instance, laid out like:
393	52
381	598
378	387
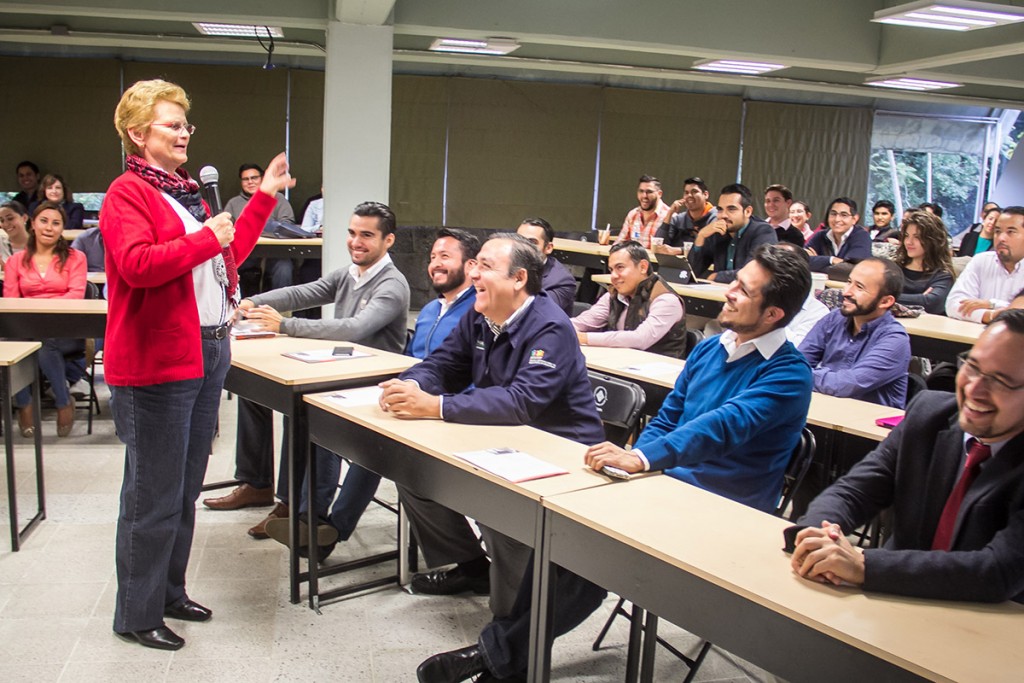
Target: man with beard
371	302
952	472
686	215
729	426
992	278
860	350
728	243
642	223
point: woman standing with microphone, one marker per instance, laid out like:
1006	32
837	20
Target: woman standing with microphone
172	290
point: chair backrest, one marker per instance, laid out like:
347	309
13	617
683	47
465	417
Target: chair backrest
92	291
796	470
620	404
579	307
915	383
693	337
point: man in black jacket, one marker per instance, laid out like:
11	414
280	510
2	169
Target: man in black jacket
729	243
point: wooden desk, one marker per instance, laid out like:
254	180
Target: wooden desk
717	569
19	368
46	318
270	247
419	453
261	374
635	365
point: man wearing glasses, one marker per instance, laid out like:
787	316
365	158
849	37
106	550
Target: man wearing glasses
843	241
953	472
278	270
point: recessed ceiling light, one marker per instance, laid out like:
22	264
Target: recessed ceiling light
489	46
918	84
238	30
956	15
736	66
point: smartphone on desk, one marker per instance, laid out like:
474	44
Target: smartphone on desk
342	351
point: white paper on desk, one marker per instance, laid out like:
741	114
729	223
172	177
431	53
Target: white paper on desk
323	355
363	396
244	329
655	369
510	464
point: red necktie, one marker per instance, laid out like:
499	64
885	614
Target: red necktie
977	453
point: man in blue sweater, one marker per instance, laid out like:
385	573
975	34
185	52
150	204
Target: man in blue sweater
512	360
728	426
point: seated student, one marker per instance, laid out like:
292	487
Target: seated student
883	230
685	217
642	222
777	201
279	271
992	277
952	472
728	426
49	269
842	241
812	310
28	182
557	281
512	360
54	189
90	243
728	243
966	242
800	218
923	255
983	238
14	219
640	311
860	350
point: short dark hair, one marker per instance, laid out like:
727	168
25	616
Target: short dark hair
30	164
549	232
1014	210
649	179
790	281
807	207
523	255
1013	318
892	276
698	181
468	242
786	193
636	251
936	209
249	167
799	251
746	197
386	217
842	200
884	204
989	203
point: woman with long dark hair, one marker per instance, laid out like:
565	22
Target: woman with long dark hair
923	254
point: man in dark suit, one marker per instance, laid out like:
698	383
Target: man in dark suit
729	242
953	471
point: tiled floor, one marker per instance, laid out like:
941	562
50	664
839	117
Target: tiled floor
56	595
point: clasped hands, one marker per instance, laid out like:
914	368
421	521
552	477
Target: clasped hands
404	399
826	556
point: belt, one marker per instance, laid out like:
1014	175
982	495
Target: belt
219	332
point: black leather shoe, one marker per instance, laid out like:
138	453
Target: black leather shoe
188	611
451	667
161	638
450	582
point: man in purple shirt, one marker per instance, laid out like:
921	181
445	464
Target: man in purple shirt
640	311
860	350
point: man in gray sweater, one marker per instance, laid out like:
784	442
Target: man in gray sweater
371	303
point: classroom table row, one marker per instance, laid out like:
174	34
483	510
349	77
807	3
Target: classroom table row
270	247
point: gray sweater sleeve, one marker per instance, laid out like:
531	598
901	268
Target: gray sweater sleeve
298	297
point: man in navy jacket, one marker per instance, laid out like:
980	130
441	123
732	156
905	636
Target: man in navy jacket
556	280
513	360
729	242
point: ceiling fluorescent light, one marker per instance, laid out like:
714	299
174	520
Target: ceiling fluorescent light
238	30
736	66
953	15
490	46
918	84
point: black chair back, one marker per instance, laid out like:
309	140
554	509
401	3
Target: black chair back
620	404
796	470
92	291
915	384
579	307
693	337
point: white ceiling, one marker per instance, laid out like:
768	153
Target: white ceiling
830	46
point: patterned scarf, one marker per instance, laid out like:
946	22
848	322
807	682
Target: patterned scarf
186	192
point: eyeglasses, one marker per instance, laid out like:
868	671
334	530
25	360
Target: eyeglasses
251	179
840	214
177	127
973	372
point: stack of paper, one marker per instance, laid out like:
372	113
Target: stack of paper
510	464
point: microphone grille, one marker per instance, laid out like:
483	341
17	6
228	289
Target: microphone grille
208	174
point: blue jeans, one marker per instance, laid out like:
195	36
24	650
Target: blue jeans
355	495
167	430
57	370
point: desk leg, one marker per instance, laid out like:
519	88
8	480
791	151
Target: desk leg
405	547
12	491
294	500
27	373
313	551
542	604
633	652
37	411
650	646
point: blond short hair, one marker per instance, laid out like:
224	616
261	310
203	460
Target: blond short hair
135	110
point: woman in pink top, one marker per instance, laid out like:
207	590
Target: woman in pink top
49	269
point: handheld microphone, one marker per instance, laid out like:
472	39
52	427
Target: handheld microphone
209	176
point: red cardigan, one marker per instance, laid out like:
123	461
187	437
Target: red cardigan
152	320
